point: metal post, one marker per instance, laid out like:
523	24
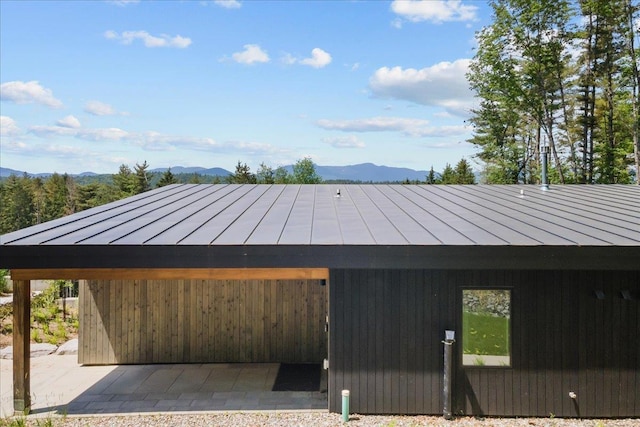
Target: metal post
544	153
345	406
448	362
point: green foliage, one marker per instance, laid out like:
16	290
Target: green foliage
281	176
304	172
265	174
242	175
48	321
448	175
141	182
17	204
167	179
4	285
13	422
6	311
463	174
532	92
431	177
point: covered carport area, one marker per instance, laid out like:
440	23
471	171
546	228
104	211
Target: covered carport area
244	385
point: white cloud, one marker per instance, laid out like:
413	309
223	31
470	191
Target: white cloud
87	134
28	93
48	131
163	40
409	127
433	11
8	126
156	141
69	122
443	85
251	54
150	140
98	108
103	134
228	4
350	141
319	58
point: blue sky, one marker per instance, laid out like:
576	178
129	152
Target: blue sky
87	86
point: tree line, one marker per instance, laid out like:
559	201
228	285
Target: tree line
26	200
560	76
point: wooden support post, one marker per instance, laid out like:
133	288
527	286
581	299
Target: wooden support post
21	346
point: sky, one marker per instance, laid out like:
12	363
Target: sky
91	85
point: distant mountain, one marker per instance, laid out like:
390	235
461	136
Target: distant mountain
4	172
364	172
199	170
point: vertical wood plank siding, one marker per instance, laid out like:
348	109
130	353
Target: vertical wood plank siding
194	321
386	328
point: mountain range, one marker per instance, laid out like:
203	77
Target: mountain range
365	172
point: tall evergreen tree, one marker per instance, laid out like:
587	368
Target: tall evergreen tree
242	175
124	181
463	173
431	177
142	178
167	178
17	207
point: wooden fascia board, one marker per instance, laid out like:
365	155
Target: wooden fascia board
172	273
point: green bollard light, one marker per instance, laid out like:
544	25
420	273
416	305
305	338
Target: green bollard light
345	406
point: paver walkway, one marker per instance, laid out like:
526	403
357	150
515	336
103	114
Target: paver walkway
59	385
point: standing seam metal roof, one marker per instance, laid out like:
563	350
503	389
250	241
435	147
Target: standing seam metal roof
473	215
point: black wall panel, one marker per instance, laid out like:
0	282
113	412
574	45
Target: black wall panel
386	328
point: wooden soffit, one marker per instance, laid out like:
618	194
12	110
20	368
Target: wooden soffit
172	273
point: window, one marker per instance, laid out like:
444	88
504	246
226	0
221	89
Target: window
486	327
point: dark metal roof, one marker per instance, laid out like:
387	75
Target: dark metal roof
305	225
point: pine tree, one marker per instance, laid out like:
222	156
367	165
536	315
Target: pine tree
242	175
167	178
142	178
463	173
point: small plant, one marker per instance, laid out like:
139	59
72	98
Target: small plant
4	285
479	361
35	336
13	422
47	422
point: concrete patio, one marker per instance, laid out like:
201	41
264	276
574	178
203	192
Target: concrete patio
60	386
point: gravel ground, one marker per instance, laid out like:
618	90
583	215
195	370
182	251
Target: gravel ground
312	419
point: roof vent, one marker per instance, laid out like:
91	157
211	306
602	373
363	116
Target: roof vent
338	192
544	154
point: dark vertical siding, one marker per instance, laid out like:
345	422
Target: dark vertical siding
386	328
385	345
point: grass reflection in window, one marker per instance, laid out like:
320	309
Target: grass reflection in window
486	317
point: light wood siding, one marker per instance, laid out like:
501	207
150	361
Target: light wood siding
386	328
195	321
